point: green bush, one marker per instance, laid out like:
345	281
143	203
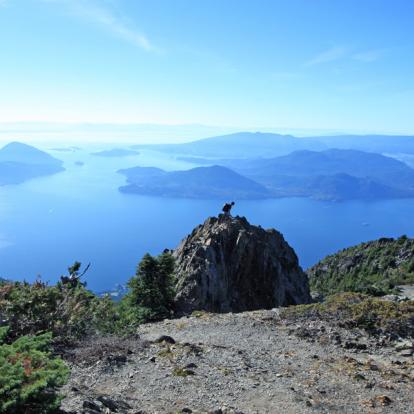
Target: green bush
29	375
68	311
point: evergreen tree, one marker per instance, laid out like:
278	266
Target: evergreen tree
152	288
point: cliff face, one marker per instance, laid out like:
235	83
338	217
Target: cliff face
227	264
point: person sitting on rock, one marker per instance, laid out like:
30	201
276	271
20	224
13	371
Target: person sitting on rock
227	208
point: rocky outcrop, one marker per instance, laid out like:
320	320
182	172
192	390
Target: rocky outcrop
375	268
227	264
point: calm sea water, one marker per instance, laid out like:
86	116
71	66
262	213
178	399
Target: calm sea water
48	223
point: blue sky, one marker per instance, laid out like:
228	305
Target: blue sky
340	65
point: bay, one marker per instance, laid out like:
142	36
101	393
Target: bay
47	223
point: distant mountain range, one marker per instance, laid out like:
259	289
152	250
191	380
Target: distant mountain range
20	162
116	152
203	182
346	173
240	145
384	144
258	144
327	175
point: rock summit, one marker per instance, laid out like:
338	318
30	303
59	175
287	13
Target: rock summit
229	265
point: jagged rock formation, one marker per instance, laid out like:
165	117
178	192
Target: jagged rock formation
227	264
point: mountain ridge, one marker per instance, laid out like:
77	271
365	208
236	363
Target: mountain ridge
254	144
332	174
20	162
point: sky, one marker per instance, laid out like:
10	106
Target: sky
330	65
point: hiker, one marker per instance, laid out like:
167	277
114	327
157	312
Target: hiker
226	209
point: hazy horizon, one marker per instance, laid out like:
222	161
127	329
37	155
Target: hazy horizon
59	133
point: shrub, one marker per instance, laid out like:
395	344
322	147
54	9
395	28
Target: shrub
358	310
69	311
29	376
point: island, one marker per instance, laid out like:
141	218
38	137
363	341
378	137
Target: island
332	175
115	153
213	182
20	162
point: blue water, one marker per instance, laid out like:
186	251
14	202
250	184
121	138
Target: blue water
48	223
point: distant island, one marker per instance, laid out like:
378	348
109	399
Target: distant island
66	149
20	162
202	182
262	144
116	152
333	175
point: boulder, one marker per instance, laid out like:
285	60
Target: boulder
229	265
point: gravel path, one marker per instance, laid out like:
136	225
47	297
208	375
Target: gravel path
251	362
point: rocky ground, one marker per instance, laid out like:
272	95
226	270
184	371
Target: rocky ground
252	362
407	291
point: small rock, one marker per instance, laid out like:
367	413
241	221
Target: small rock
108	402
90	405
406	353
391	298
383	400
355	345
404	346
317	297
120	359
359	377
165	338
